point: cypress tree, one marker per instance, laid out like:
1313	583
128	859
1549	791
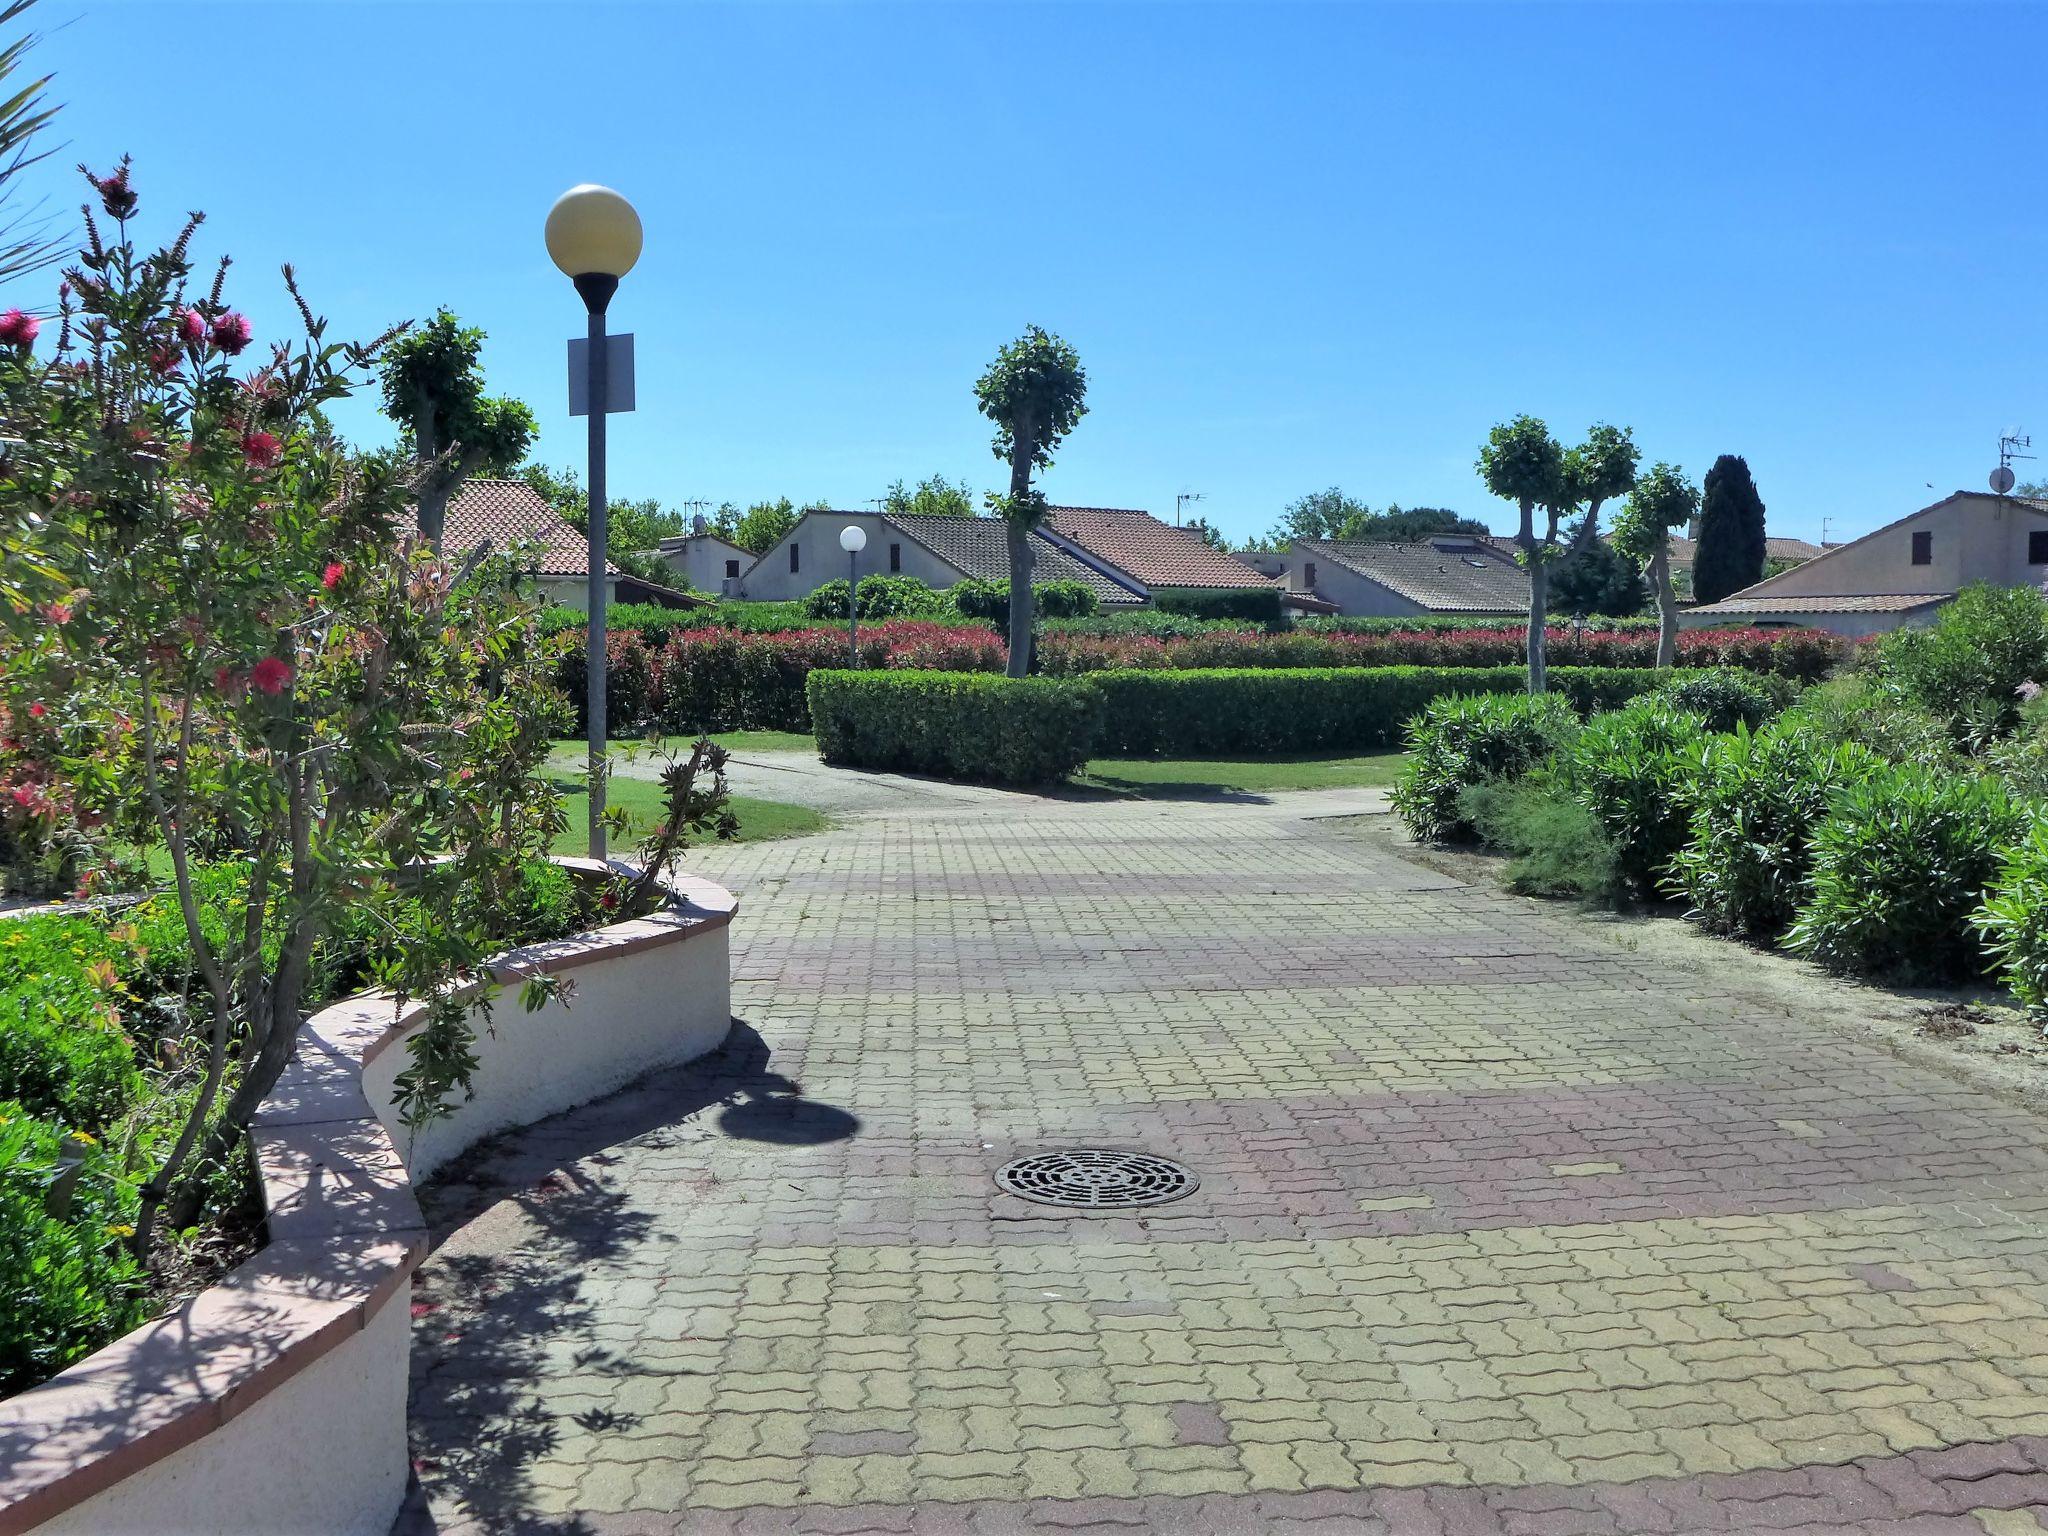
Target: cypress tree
1731	548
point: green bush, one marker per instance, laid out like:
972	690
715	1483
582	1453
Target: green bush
1748	863
1220	711
881	597
1967	668
1636	770
67	1283
1724	698
977	597
1466	739
759	618
1556	846
651	621
2012	924
1900	867
1251	605
1853	710
955	725
1146	623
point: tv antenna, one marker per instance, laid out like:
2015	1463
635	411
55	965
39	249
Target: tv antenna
2009	446
1180	504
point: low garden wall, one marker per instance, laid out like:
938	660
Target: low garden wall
274	1401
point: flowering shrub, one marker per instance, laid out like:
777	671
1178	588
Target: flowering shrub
229	646
729	679
1802	654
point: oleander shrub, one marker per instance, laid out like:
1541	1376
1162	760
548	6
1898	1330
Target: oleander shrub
955	725
1722	698
1747	865
881	597
1466	739
1969	667
1901	864
1855	710
1227	711
1555	846
2012	922
67	1281
1636	769
977	597
1247	605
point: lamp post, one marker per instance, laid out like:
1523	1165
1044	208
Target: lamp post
853	539
593	235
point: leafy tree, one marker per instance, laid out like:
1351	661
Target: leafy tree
25	240
1035	393
1731	550
1209	534
434	390
633	528
1592	577
1663	500
1600	468
1333	515
933	497
757	529
1522	463
2038	489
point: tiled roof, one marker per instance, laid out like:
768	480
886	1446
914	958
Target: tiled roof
1904	602
1683	550
1448	575
979	547
1158	555
506	512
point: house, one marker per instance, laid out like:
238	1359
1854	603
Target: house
938	551
1449	574
704	560
1901	573
501	513
1139	545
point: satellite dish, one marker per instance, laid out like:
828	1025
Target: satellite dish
2002	479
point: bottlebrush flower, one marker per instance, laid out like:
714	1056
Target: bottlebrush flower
231	332
18	329
36	711
192	328
261	449
270	675
331	577
115	194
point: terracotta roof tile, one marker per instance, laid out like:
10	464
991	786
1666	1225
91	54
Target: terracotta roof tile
1158	555
505	512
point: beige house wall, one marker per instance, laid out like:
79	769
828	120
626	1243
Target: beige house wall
1974	538
574	591
701	562
820	559
1354	596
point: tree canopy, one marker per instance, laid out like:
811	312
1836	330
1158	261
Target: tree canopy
934	496
1331	514
1731	546
1661	501
757	529
633	529
433	388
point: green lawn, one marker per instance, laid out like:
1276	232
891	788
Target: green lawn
1169	778
760	820
570	753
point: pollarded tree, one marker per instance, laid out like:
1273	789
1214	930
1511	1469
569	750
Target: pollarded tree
1731	552
1599	469
1521	462
1663	500
1034	392
434	390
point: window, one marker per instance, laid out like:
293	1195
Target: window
794	559
2037	547
732	567
1308	577
1923	549
895	557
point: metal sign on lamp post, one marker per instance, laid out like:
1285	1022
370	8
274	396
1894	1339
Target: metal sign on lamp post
853	539
593	235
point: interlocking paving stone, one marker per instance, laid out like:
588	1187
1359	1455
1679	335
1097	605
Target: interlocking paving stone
1502	1226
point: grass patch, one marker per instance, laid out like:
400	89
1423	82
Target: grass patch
569	752
1166	778
760	820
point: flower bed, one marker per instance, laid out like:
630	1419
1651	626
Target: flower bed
275	1400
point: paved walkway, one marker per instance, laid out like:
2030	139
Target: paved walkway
1502	1226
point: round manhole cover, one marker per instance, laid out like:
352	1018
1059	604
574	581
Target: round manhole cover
1095	1178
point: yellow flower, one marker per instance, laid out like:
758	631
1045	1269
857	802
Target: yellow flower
88	1140
122	1229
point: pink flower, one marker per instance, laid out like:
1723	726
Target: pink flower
36	711
192	328
231	332
261	449
331	577
18	329
223	678
58	613
116	195
270	675
163	360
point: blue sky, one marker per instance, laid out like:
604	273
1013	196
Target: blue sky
1295	247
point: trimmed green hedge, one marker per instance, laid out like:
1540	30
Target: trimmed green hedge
1259	710
957	725
1253	605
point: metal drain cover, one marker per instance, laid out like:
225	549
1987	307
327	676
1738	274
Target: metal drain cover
1095	1178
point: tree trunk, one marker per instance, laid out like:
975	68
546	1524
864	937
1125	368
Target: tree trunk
1667	604
434	490
1024	447
1539	592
